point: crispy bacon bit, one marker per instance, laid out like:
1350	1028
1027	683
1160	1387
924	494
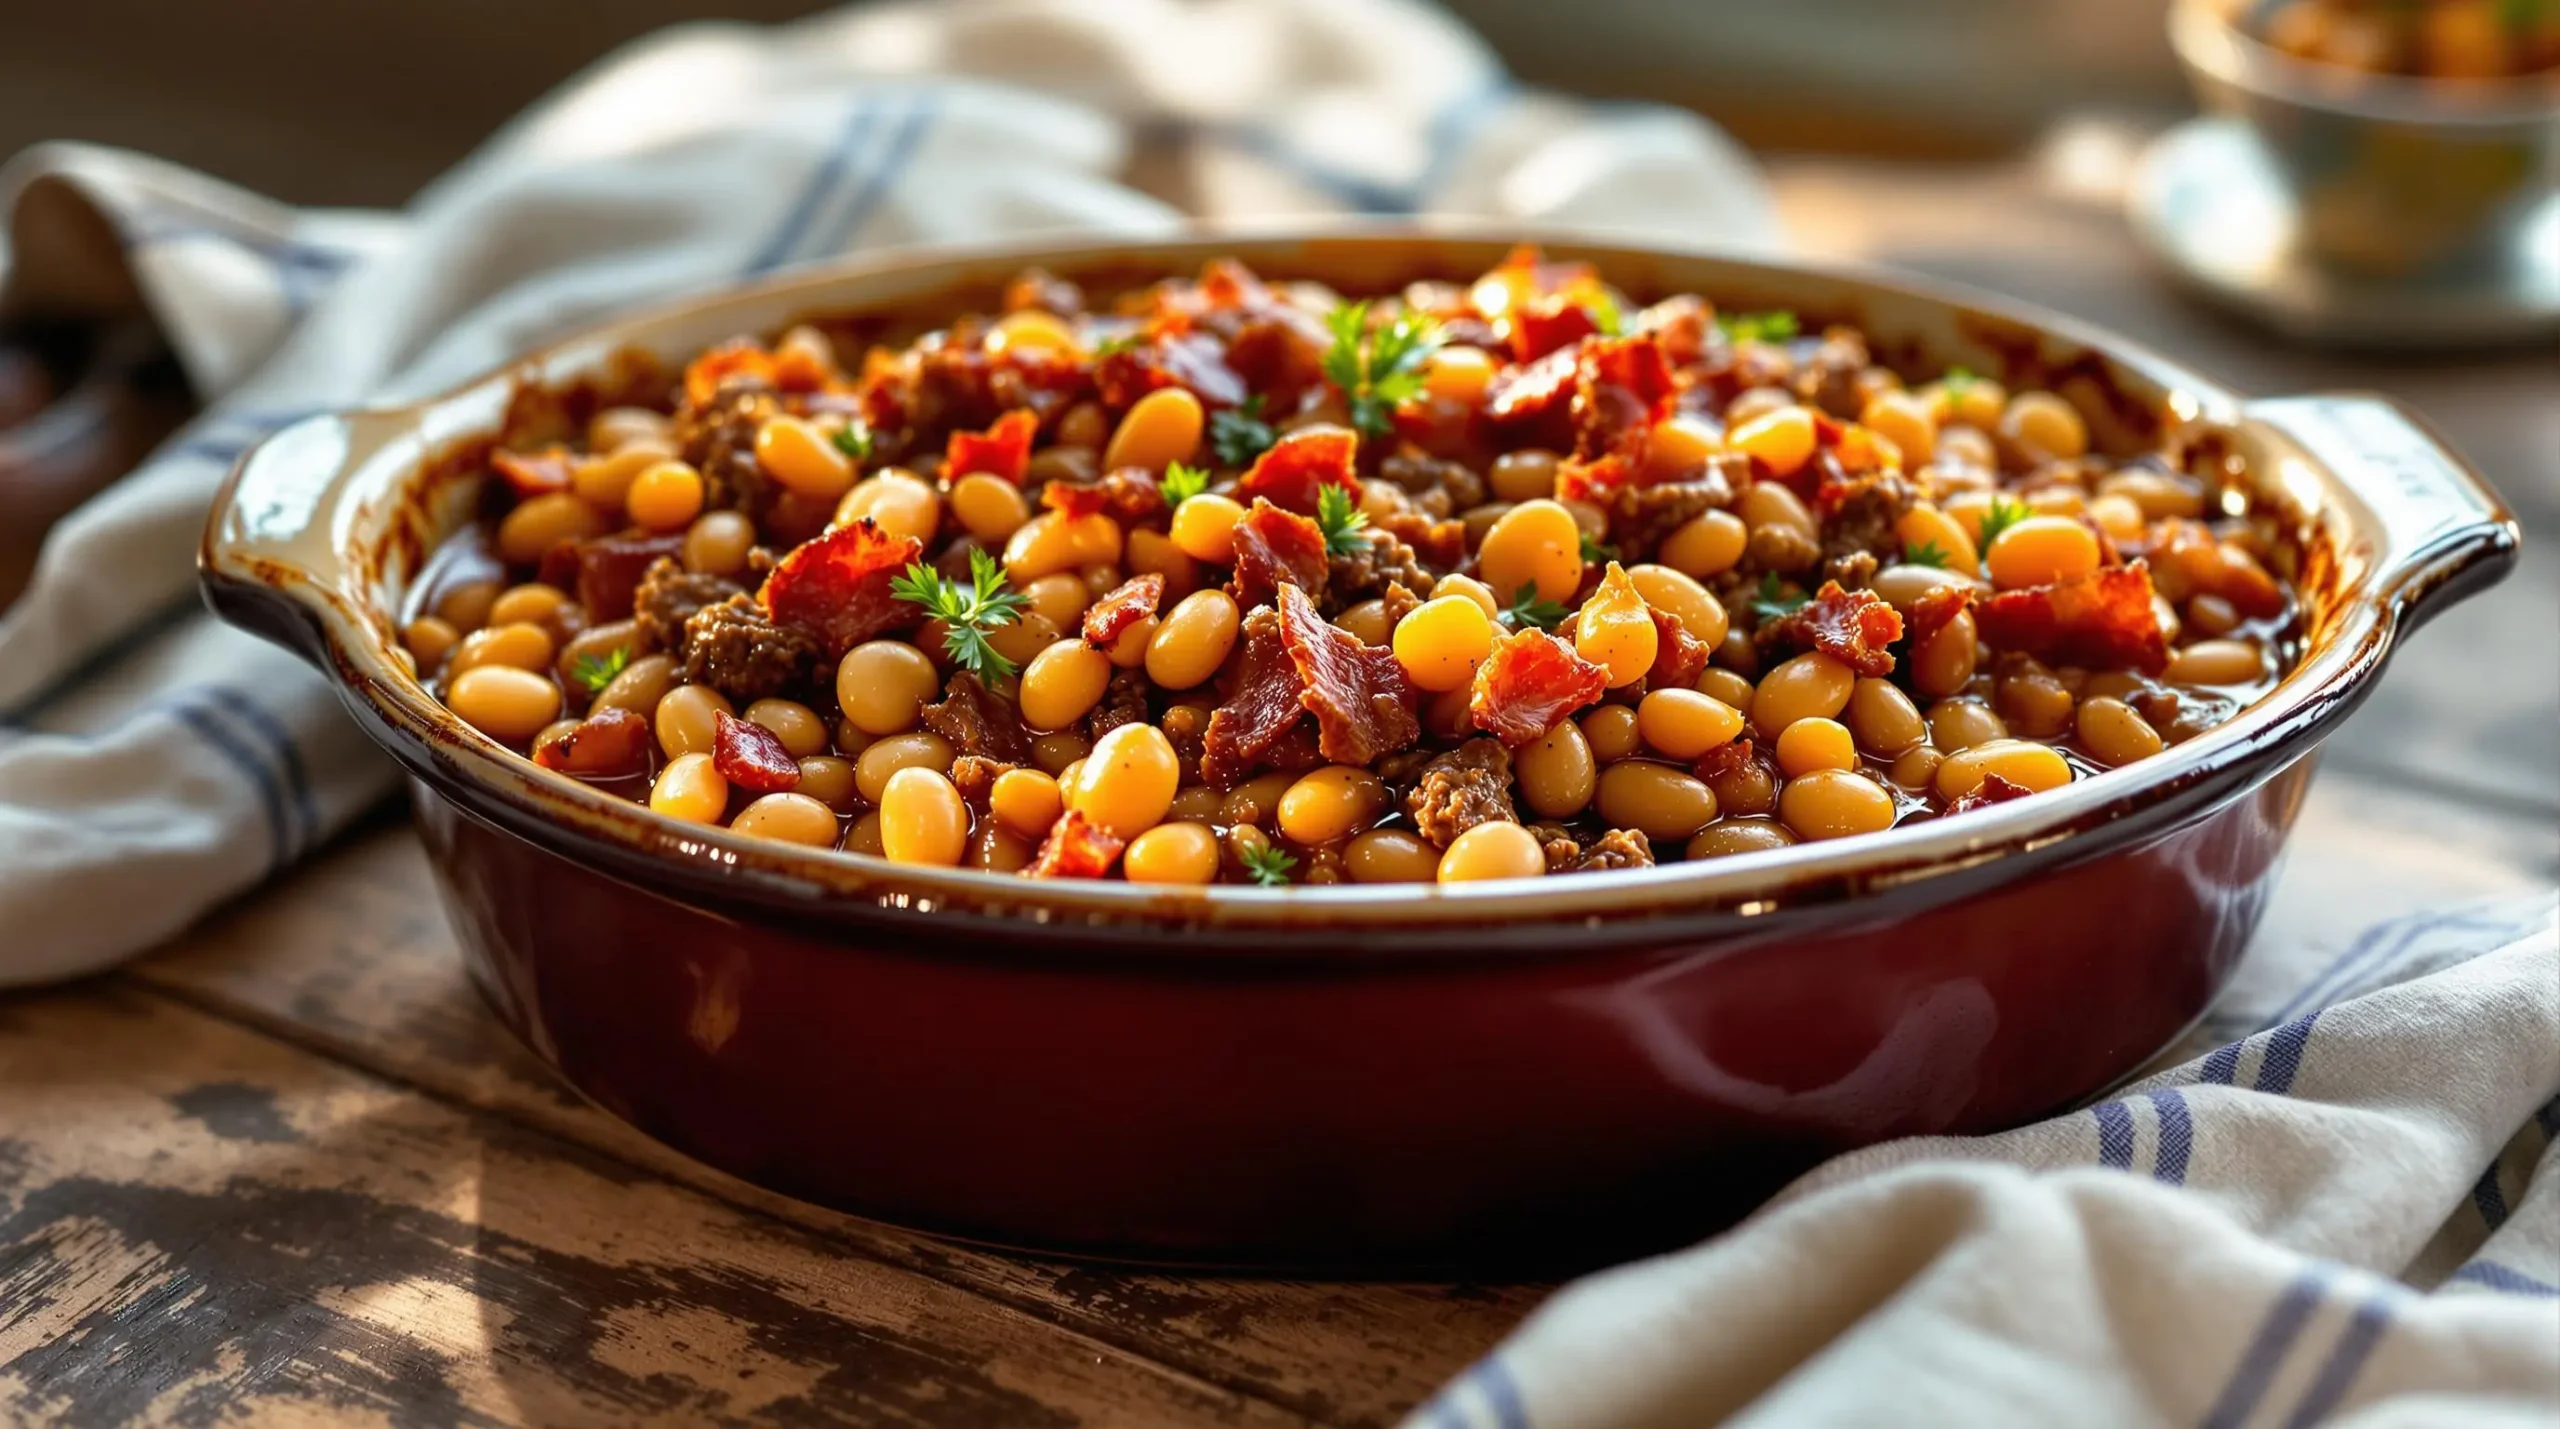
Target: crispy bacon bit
1003	449
1549	324
1621	387
751	756
1245	731
2099	620
1175	359
1135	599
533	473
739	358
1727	759
1992	790
1133	493
1530	681
837	586
612	743
1075	498
1302	464
1276	548
1679	657
1935	607
1525	397
1359	694
1597	480
1077	847
1854	627
609	570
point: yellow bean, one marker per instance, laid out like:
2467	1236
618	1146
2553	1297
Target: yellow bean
1026	801
689	788
898	501
884	685
1906	420
508	704
828	779
617	427
1883	718
800	457
989	507
1392	856
1781	442
539	523
687	719
1193	640
1927	526
640	686
718	543
923	819
2045	426
1684	724
1705	545
1679	445
1161	428
1528	474
429	639
795	724
883	758
666	497
1062	684
791	817
527	603
1612	733
1441	643
1176	853
1811	744
1468	586
1615	630
1205	528
1664	803
1943	663
522	645
1333	802
1834	804
1556	773
2042	550
1810	686
1964	723
1494	850
1766	503
1534	543
2216	662
1128	782
1458	373
2037	767
1732	836
1666	589
2114	734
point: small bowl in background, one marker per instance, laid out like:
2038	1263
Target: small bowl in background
2392	177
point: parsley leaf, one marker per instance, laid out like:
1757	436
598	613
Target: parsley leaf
1239	434
1527	610
1926	553
1956	383
1594	552
1604	313
1341	521
985	605
1182	482
1757	327
2003	513
1375	372
854	439
1116	343
1267	865
594	672
1773	602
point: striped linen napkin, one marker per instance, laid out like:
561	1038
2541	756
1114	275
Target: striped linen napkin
2350	1216
153	763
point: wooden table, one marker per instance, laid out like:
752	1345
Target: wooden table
288	1168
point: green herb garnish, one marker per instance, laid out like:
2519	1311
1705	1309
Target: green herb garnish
1757	327
594	672
1267	865
984	606
1957	382
2003	513
1605	315
1773	602
1377	372
1113	346
1594	552
854	439
1182	482
1527	611
1341	521
1927	553
1238	434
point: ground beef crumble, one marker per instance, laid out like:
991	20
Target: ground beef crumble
735	649
669	595
1466	786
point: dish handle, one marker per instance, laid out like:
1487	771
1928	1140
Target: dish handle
279	557
2440	532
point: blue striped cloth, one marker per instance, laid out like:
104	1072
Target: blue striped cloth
2350	1214
153	763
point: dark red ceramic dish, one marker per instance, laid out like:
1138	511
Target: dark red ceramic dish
1362	1076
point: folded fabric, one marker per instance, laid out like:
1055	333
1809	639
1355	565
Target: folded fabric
2351	1216
153	763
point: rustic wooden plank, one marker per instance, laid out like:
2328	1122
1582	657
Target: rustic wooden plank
353	958
200	1223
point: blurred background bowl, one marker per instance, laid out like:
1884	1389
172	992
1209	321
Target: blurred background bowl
2391	176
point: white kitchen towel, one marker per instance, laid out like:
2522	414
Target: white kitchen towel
153	763
2350	1217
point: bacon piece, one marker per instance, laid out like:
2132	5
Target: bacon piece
1679	657
751	756
1549	324
1534	398
1530	681
1075	498
1854	627
1681	324
1130	494
1134	600
612	743
533	473
1267	704
1523	275
1359	694
609	570
739	357
836	587
1621	387
1302	464
1003	449
1276	548
1597	480
1992	790
2105	619
1727	759
1077	847
1170	359
1935	607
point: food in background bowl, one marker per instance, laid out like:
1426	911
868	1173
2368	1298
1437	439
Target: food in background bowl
2431	39
1216	580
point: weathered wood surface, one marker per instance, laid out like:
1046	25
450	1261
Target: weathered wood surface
288	1170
